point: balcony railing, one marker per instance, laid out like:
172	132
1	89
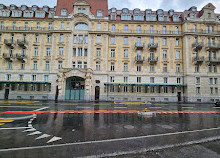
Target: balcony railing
146	32
9	42
197	45
152	59
152	45
6	28
139	59
200	31
213	60
139	46
22	43
198	59
21	57
213	45
7	56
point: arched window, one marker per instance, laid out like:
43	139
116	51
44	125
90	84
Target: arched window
81	26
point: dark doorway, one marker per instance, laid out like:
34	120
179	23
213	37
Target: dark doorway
6	94
179	96
97	93
57	94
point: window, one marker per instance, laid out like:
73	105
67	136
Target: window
10	65
177	67
196	67
0	37
47	65
36	51
21	77
151	68
74	52
113	28
98	52
216	90
79	65
138	89
14	26
112	79
8	77
151	29
210	80
197	90
99	26
38	25
60	64
194	28
0	50
64	12
48	52
139	68
125	40
49	38
36	38
209	68
74	39
112	40
34	77
22	65
152	89
61	51
81	26
112	68
125	79
165	89
125	89
50	26
125	17
125	66
26	26
99	13
138	79
46	78
176	30
151	79
125	53
98	65
214	68
79	10
98	39
86	39
112	89
164	67
211	90
80	53
84	11
74	64
165	80
125	27
34	65
177	41
164	29
164	41
164	54
178	80
61	38
197	80
80	39
177	54
138	29
215	80
2	25
151	40
85	52
112	53
62	25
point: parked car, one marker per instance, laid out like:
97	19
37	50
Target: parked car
217	103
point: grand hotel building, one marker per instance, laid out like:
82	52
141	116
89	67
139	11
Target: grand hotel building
82	50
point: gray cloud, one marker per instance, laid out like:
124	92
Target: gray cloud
177	5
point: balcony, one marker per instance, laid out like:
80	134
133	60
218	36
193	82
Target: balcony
198	59
20	57
9	43
139	59
152	45
213	46
153	60
7	56
197	45
22	43
212	60
139	46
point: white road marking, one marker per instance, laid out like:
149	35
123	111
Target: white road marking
30	130
83	107
109	140
41	109
54	139
14	128
117	107
35	133
43	136
216	107
18	107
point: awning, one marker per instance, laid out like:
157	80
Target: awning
144	84
24	82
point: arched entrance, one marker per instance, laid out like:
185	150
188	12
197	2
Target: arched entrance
75	88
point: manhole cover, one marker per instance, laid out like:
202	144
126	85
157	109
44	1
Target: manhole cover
129	127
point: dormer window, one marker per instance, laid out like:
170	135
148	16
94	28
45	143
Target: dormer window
192	15
138	17
160	11
34	7
45	8
100	13
13	7
125	10
113	16
64	12
148	11
160	18
84	11
209	15
81	26
137	11
2	6
171	12
113	10
175	18
23	7
126	17
193	9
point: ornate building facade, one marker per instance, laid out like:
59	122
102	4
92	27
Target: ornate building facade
82	50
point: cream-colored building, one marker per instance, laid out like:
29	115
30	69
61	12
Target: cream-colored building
84	51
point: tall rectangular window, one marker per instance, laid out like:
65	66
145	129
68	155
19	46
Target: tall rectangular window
177	41
138	79
80	53
48	38
86	39
38	25
37	38
151	79
74	39
60	64
164	29
112	53
197	80
22	65
47	65
164	54
125	66
0	50
197	90
151	29
98	39
112	40
50	26
61	38
112	79
112	67
164	41
98	52
48	52
36	51
125	40
125	53
165	80
85	65
80	39
34	65
151	68
34	77
79	64
196	67
99	26
85	52
10	65
61	51
125	79
125	27
21	77
139	67
0	37
178	54
62	25
177	67
164	67
98	65
8	77
113	27
46	78
178	80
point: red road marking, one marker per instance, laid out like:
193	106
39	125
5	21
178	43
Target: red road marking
104	111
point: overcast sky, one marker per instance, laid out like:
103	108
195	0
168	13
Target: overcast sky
177	5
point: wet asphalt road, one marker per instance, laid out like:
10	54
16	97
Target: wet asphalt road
105	134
